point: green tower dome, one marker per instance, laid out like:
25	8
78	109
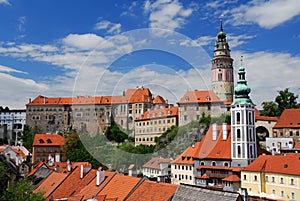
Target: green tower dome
242	90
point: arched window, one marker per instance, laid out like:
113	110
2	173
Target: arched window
238	117
238	134
213	163
239	151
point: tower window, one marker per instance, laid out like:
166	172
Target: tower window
219	76
239	151
238	134
238	117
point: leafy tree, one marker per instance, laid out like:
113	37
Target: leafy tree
22	191
270	109
114	133
286	100
27	135
76	152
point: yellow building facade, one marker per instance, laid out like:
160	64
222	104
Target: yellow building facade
275	177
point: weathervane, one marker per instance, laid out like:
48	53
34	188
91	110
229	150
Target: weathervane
242	60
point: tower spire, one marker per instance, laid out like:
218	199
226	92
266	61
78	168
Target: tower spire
221	22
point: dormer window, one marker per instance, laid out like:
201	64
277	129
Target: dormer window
49	141
187	98
207	98
41	141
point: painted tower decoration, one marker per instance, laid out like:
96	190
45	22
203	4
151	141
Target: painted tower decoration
243	140
222	68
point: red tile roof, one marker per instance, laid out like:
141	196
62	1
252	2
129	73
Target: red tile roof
218	149
219	168
131	96
154	163
160	113
199	97
281	164
73	184
159	100
119	186
233	178
290	118
50	183
187	156
48	140
92	189
149	190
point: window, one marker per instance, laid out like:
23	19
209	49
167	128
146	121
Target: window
239	151
213	163
245	177
291	133
202	163
273	179
267	178
282	194
281	180
175	167
293	195
175	176
273	192
238	117
255	178
238	134
292	181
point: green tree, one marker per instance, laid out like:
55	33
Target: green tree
27	135
270	109
22	191
76	152
286	100
114	133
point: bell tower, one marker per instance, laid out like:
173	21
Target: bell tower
243	139
222	68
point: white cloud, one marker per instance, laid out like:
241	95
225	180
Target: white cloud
268	72
10	70
112	28
267	14
22	21
167	14
5	2
233	40
15	92
84	41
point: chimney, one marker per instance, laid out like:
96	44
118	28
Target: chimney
50	160
100	176
214	132
69	166
57	157
225	131
83	170
29	100
56	169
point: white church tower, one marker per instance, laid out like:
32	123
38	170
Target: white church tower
243	140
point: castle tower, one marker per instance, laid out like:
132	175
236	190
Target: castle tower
222	68
243	140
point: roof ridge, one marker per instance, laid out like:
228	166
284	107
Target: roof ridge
135	187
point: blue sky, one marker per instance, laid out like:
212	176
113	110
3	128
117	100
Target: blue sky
66	48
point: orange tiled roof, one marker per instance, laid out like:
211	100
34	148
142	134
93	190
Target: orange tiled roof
297	144
160	113
131	96
218	149
159	100
48	140
204	176
155	163
281	164
232	178
187	156
196	96
73	184
290	118
91	189
149	190
50	183
119	186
